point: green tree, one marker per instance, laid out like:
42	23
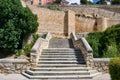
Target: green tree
101	2
57	1
115	1
15	23
83	1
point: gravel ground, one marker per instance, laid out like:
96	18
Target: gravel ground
21	77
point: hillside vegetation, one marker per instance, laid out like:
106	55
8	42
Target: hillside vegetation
107	43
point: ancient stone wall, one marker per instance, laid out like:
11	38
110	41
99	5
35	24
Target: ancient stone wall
101	64
84	24
52	21
113	22
56	22
71	22
13	65
92	10
84	19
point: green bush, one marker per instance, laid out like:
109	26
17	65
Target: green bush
28	47
18	52
107	43
111	51
52	7
93	39
15	22
114	68
110	36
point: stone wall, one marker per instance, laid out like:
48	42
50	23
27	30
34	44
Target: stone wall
13	65
52	21
71	22
92	10
112	8
56	22
84	24
113	22
84	19
104	23
101	64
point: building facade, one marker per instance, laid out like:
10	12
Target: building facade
41	2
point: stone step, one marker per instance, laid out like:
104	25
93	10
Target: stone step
61	69
65	59
62	62
74	77
58	50
61	56
60	72
62	53
61	65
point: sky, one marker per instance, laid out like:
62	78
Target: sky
96	1
74	1
78	1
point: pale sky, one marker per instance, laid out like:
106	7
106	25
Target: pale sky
74	1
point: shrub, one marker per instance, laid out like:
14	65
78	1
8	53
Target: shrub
18	52
52	7
110	36
28	47
107	43
114	68
15	22
111	51
93	40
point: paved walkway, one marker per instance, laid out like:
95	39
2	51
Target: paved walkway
60	43
21	77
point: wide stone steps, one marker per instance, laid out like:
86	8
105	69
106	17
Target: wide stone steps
60	50
59	56
60	72
60	59
61	69
61	64
67	53
63	77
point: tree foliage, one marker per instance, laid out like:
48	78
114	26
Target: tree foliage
110	38
83	1
107	43
57	1
15	23
115	1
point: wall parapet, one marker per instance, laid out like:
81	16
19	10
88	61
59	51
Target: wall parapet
13	65
37	48
101	64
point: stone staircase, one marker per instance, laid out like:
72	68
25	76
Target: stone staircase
61	64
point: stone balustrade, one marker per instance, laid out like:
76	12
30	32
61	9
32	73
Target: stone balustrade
85	48
37	48
13	65
79	35
101	64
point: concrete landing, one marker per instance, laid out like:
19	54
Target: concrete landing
60	43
